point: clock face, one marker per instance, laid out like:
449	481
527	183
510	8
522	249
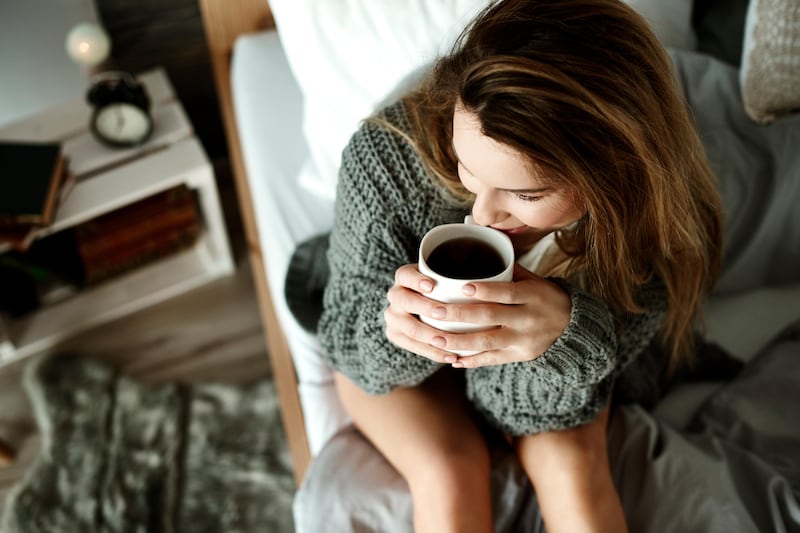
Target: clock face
122	124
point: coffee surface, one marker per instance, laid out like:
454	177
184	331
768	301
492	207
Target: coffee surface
465	258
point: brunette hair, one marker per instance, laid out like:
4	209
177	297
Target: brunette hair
584	90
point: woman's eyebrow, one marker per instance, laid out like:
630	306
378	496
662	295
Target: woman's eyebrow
526	191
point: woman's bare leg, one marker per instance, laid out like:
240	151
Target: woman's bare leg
570	472
428	434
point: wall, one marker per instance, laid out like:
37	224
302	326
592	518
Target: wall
169	34
35	71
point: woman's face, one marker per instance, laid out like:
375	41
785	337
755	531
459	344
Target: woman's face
509	196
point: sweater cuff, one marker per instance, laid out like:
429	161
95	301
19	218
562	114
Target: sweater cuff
585	353
527	407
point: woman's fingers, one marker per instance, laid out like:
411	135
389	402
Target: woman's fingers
520	291
489	340
411	334
402	299
498	345
521	319
410	277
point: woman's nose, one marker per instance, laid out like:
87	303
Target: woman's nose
486	211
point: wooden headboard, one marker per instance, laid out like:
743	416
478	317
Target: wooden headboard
224	21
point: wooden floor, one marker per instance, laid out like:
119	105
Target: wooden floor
210	334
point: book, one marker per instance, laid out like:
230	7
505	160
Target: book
138	233
31	175
19	236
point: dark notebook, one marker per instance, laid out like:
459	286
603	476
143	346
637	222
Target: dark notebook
30	178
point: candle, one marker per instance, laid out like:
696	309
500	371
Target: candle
88	44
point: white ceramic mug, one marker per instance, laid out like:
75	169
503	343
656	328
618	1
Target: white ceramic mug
449	289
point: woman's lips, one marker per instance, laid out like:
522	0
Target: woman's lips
513	231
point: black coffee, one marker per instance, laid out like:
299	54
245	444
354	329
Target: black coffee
465	258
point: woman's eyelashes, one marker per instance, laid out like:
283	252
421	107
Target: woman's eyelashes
467	179
526	197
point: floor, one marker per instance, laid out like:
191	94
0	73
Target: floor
212	333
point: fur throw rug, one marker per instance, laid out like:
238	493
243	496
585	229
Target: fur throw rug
122	455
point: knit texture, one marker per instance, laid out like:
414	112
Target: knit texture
770	73
569	383
385	203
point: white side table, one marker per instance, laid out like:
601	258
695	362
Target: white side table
107	180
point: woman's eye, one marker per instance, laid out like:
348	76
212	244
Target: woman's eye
527	197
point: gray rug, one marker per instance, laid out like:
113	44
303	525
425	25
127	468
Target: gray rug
121	455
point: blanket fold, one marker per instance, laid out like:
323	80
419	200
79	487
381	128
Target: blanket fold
120	455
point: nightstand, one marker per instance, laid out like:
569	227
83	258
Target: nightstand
108	180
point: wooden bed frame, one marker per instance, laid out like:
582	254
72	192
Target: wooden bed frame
224	21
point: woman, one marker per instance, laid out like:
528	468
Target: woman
559	123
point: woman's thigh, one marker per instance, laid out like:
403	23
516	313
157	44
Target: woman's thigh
422	425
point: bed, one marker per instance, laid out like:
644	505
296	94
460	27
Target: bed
293	79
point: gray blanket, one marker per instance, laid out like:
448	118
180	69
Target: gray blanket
121	455
734	468
758	168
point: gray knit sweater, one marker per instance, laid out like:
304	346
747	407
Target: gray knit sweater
385	203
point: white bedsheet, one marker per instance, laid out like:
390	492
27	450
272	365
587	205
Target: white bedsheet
268	109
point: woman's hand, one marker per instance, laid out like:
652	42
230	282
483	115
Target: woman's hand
525	317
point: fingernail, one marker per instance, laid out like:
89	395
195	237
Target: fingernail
438	312
458	364
450	359
426	285
468	289
439	342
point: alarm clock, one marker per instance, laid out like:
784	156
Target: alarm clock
121	115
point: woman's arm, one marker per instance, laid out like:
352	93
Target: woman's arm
385	202
572	381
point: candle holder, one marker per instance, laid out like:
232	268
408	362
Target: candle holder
88	44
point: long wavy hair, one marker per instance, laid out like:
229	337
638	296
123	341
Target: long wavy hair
584	90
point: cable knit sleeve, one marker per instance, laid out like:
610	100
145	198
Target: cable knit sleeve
385	203
568	384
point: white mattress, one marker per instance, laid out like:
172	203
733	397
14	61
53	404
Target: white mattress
269	111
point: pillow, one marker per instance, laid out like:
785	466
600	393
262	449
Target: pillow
348	55
770	72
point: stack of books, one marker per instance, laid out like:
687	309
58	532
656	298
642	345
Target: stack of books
56	266
41	267
33	180
137	234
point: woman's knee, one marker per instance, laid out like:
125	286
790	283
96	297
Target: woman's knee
581	448
422	431
450	470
